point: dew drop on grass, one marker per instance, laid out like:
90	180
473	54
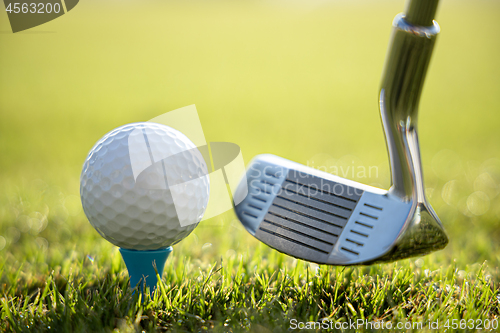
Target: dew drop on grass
314	267
478	203
485	183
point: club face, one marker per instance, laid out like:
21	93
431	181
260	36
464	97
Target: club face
317	216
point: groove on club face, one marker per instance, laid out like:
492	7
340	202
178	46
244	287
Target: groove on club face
307	216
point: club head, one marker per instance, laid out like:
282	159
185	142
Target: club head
319	217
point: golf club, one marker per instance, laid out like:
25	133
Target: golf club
319	217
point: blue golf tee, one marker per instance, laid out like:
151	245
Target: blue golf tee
141	266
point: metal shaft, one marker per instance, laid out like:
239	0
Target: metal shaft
421	12
408	57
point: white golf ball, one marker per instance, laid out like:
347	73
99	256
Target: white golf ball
144	186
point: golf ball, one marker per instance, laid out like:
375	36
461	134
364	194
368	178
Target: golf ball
144	186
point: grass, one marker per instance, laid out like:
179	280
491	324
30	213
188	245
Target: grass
235	295
277	77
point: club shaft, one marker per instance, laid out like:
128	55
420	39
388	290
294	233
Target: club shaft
421	12
408	57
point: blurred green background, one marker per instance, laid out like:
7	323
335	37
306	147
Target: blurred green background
295	78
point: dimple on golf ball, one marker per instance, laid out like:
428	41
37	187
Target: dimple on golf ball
144	186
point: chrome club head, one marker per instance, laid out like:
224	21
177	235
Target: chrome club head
319	217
